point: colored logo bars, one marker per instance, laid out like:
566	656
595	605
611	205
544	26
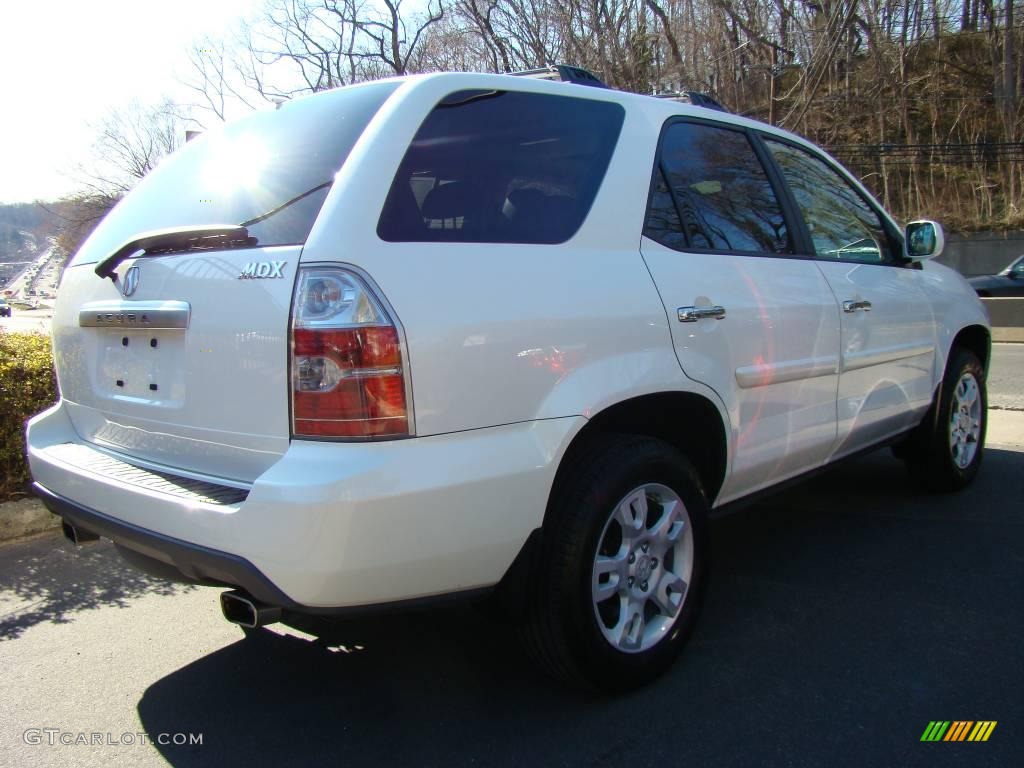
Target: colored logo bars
958	730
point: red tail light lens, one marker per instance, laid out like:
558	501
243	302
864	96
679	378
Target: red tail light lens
348	378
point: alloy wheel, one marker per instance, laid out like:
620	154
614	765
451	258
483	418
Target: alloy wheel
642	568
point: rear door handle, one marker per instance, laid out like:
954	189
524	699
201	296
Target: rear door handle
853	306
693	314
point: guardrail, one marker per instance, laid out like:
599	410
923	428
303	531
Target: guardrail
1005	312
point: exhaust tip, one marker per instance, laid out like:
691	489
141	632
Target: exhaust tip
240	609
77	535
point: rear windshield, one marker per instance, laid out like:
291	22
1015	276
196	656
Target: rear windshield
502	167
248	169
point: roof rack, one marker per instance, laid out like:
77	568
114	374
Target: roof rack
696	98
564	72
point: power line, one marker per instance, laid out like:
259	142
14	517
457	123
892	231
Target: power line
902	155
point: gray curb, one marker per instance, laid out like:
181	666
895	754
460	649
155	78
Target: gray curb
25	518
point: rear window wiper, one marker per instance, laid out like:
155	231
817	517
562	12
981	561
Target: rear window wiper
177	240
274	211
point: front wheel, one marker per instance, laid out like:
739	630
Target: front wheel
946	452
622	574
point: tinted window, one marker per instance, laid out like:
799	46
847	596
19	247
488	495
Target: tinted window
501	167
248	168
663	222
842	225
723	197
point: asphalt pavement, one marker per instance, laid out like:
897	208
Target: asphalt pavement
843	616
1006	377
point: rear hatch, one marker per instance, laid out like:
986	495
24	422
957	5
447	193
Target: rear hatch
180	358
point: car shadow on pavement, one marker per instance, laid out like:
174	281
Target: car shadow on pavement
48	579
843	616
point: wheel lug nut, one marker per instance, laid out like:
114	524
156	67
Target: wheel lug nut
654	562
643	585
645	547
631	581
632	558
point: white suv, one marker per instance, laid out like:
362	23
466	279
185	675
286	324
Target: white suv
485	335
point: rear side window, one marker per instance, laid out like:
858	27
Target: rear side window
501	167
272	168
663	223
722	197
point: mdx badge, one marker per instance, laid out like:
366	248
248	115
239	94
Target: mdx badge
256	270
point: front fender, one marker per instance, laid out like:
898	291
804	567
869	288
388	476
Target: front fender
955	306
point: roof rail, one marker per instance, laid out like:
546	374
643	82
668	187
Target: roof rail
696	98
564	72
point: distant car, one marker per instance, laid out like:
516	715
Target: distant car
1009	282
5	308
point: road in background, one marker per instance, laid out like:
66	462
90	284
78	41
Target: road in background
1006	377
37	282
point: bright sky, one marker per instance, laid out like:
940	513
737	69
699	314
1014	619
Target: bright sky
64	63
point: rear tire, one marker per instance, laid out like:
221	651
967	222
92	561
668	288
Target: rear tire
623	566
946	450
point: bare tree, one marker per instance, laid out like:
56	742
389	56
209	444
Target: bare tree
920	85
214	78
299	46
518	34
389	30
129	143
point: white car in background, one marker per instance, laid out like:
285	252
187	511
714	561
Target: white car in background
496	337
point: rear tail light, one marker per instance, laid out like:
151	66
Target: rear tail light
347	371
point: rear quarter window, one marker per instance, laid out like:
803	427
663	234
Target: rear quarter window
502	167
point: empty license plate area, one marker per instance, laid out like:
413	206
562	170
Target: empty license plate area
191	370
141	365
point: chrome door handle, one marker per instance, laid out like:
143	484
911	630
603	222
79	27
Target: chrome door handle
853	306
693	314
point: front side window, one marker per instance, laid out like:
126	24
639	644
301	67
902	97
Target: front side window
722	196
502	167
841	223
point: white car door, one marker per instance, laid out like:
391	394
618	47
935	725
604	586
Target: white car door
888	329
750	318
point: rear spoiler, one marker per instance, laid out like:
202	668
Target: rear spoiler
175	240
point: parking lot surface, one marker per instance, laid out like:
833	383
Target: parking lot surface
843	616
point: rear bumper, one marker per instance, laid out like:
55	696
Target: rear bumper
330	525
192	561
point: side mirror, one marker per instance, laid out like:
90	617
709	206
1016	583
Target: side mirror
924	240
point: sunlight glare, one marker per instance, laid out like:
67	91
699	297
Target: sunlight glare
235	164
